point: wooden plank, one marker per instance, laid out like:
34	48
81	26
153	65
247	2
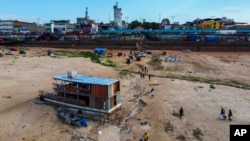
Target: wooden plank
92	101
112	102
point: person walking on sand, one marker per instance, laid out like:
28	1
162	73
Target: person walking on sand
230	114
222	114
181	112
149	77
152	92
145	137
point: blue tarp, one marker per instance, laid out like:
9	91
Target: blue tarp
100	51
84	122
212	38
194	38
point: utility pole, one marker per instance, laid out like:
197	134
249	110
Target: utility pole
160	17
172	19
127	19
37	25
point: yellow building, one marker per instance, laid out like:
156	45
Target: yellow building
211	24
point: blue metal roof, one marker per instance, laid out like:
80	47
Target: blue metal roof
87	79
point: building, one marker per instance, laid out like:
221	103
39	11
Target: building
87	25
60	26
96	95
48	27
6	26
117	15
210	24
19	27
165	24
240	27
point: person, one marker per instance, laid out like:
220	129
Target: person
222	114
222	111
230	114
181	112
152	92
145	137
149	77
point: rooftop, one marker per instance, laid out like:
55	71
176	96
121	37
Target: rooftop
87	79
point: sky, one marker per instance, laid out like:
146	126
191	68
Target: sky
102	10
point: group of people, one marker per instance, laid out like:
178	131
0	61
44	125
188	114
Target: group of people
144	71
223	114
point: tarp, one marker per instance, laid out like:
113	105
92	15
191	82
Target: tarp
84	122
100	51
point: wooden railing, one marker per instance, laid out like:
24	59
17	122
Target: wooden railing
71	90
62	99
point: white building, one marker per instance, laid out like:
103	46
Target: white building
118	15
6	26
58	26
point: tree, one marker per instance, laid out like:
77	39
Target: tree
147	25
134	24
113	23
155	25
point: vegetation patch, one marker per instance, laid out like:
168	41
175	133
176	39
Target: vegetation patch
197	79
197	133
3	48
124	73
109	63
176	114
93	57
174	69
201	66
156	62
169	127
227	59
181	138
154	84
24	48
232	83
236	84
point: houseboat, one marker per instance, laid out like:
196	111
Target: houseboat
91	94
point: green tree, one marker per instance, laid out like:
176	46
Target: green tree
113	23
134	24
155	25
147	25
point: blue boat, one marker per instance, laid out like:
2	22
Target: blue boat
72	116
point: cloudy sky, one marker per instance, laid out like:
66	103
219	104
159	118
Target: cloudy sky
102	10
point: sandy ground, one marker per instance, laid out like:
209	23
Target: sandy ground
21	118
